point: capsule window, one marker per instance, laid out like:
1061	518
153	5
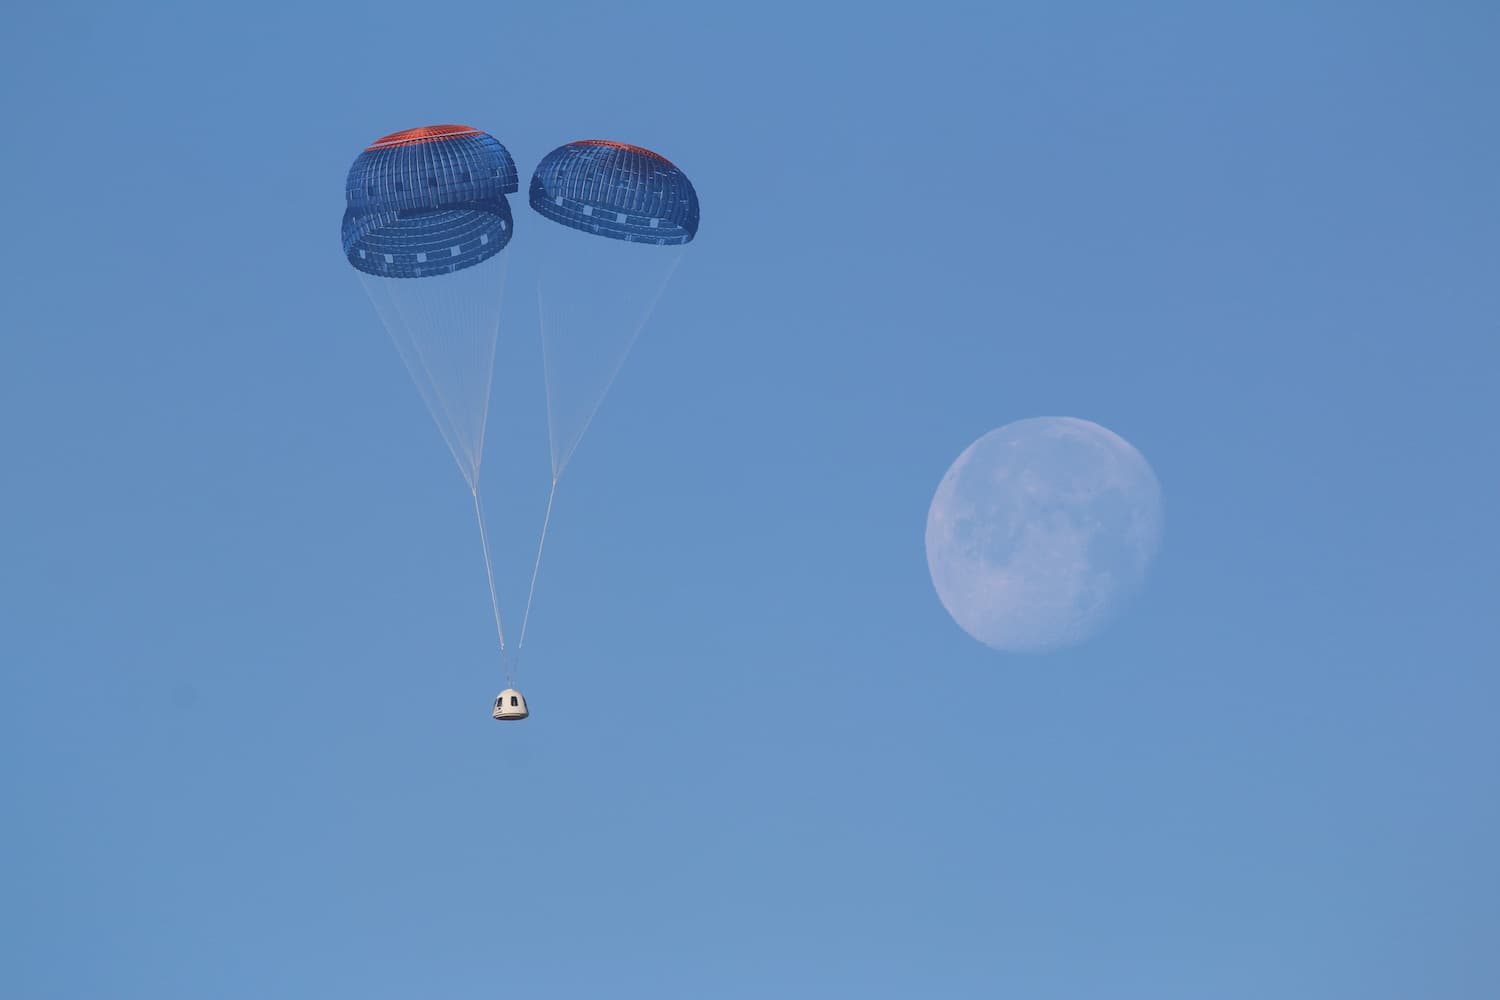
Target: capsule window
514	701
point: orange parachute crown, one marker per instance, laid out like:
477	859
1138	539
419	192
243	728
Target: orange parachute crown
622	145
427	133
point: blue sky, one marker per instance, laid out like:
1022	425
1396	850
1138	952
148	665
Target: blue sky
244	630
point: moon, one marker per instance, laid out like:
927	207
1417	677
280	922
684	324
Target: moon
1040	531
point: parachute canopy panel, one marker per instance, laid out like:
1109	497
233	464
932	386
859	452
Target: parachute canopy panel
616	190
428	201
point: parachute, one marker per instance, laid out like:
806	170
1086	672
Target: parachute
427	226
618	217
426	219
426	215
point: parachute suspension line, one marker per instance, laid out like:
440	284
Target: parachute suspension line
535	567
487	367
560	461
489	572
398	329
445	329
541	311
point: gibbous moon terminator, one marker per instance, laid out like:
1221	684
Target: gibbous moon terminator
1040	531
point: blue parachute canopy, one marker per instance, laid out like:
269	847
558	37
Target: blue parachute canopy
616	190
428	201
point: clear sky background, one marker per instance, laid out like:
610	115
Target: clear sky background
247	659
